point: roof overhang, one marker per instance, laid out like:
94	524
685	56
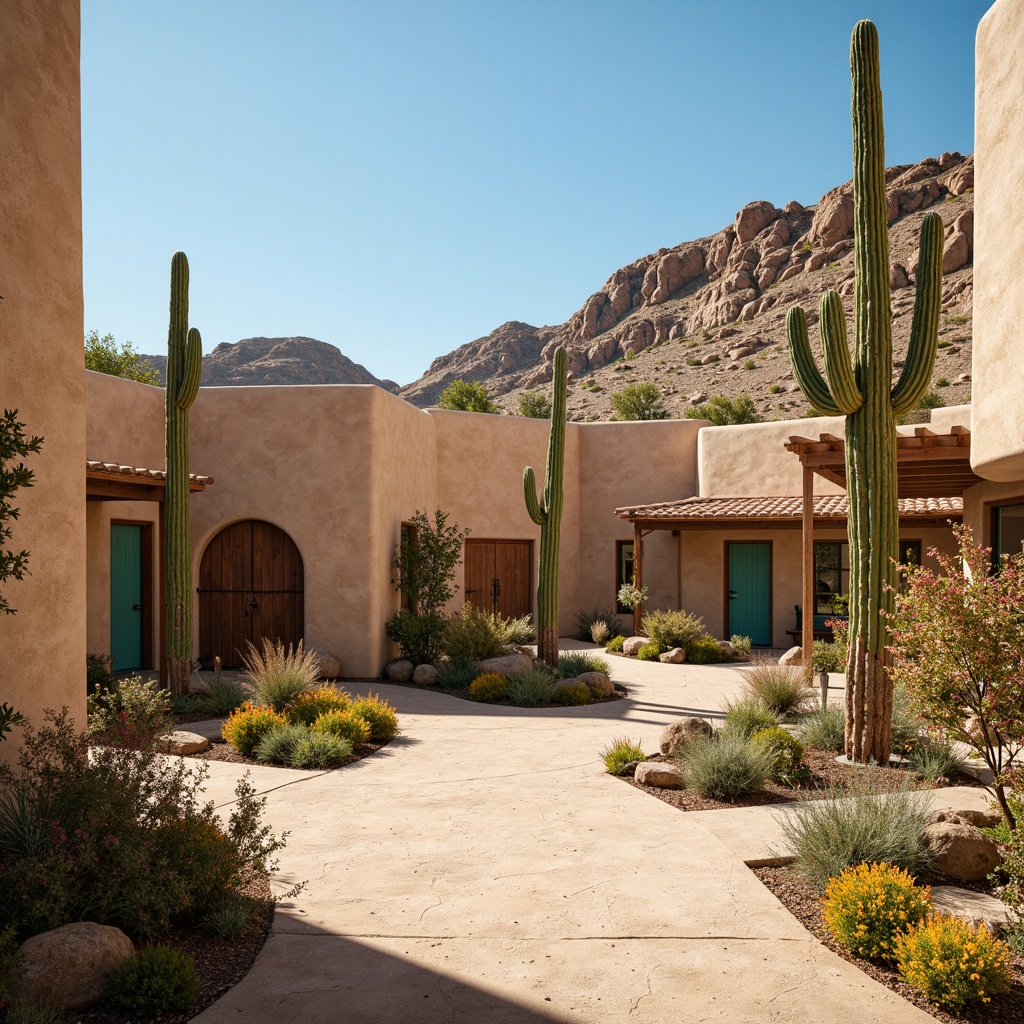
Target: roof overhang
110	481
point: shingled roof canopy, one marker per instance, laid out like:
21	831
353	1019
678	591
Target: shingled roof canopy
110	481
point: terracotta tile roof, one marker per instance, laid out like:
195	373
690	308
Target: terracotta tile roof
826	506
116	469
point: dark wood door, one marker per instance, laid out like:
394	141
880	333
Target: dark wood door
499	576
250	587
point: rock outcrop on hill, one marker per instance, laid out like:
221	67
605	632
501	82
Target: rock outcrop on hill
707	317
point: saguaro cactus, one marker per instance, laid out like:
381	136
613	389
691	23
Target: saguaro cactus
863	392
184	372
547	514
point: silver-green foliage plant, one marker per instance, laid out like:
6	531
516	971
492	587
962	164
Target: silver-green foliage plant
861	389
672	628
781	689
747	716
575	663
277	675
824	729
532	688
725	766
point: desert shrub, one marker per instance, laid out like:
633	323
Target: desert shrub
586	620
247	726
519	631
98	675
489	687
1009	878
155	981
456	673
576	663
614	646
279	741
620	752
640	401
318	750
419	637
784	752
705	651
828	657
130	714
721	411
868	906
724	766
278	675
232	919
311	704
780	689
747	716
378	714
573	694
224	697
9	961
345	726
907	725
599	633
936	759
672	628
741	644
873	826
26	1012
953	964
533	688
824	729
649	652
473	635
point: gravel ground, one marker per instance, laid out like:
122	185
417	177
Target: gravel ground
218	750
794	892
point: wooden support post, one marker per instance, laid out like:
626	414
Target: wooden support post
807	638
162	602
638	572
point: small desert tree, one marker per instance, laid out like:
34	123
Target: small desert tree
957	643
105	355
15	444
639	402
467	396
720	411
534	405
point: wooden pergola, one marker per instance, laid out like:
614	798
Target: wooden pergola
111	481
933	470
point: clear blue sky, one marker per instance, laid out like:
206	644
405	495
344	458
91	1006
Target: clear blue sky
399	177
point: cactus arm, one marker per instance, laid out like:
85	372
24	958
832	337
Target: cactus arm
532	505
193	369
924	333
808	376
838	367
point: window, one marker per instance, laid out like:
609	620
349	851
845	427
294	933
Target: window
1007	531
407	539
831	573
623	570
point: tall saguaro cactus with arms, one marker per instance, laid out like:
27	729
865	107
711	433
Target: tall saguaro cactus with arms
184	372
547	514
862	390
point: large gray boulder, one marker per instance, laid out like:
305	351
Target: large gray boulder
677	734
72	966
658	774
507	664
973	907
425	675
182	742
597	681
960	851
400	671
632	644
675	656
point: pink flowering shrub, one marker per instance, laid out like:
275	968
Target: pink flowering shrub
957	642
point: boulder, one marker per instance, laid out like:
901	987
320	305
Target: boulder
676	656
632	644
794	656
973	907
955	253
753	219
597	681
658	775
833	219
677	734
898	276
507	664
960	851
330	666
182	742
979	819
727	648
72	966
962	178
425	675
400	671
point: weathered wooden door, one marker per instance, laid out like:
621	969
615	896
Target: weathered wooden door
499	576
250	587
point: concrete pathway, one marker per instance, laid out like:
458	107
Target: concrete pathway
484	868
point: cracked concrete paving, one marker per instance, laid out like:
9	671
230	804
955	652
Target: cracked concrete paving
483	867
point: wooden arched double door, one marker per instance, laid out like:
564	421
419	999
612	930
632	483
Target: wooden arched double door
250	587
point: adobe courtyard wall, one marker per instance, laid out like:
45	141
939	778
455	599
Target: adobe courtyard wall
42	646
998	369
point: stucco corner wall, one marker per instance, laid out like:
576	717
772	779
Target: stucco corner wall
42	646
124	421
997	444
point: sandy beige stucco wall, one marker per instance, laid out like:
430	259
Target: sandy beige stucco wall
42	646
998	360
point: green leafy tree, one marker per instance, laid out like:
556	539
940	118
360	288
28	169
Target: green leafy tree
467	396
15	444
638	402
105	355
723	412
534	405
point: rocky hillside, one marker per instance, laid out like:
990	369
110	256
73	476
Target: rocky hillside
279	361
707	317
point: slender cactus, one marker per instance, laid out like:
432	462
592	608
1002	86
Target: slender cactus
184	372
547	514
863	392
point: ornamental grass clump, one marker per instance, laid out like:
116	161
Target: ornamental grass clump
936	759
578	662
248	725
278	742
533	688
488	687
781	689
318	750
587	620
224	697
747	716
620	752
724	766
278	675
872	826
378	714
343	725
868	906
673	628
953	964
824	729
155	981
311	704
456	673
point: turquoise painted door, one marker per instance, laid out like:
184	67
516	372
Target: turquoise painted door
750	573
125	596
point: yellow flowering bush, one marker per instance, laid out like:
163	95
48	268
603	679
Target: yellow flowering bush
867	908
953	964
490	686
378	714
311	704
573	694
344	725
248	725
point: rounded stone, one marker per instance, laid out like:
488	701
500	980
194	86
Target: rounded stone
400	671
425	675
